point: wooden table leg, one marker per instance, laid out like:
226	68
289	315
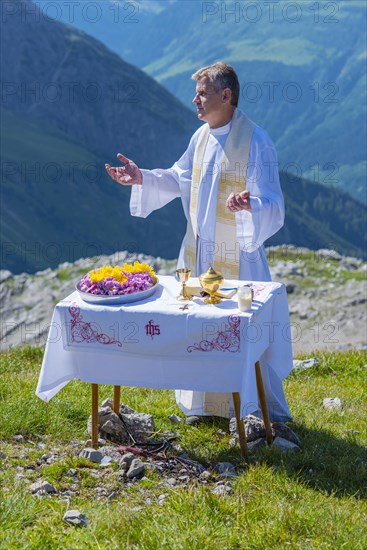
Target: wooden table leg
240	426
116	399
95	416
263	405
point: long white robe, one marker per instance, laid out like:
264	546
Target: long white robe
160	186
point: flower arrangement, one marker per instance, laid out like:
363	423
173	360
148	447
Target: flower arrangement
113	281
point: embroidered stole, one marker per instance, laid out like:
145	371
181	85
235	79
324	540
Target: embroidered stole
232	178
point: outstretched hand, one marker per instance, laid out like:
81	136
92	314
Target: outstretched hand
125	175
239	201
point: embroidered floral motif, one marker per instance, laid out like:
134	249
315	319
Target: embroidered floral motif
81	331
227	340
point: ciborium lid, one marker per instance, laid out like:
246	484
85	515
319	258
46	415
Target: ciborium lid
211	276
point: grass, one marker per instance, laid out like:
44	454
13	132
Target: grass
312	498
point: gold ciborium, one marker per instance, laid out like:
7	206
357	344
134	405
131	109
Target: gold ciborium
184	274
211	281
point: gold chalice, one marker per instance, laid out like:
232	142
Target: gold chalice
184	274
211	281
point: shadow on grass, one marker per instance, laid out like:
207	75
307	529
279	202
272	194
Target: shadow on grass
326	463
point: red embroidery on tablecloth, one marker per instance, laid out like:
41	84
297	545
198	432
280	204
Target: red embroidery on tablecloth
226	340
81	331
152	330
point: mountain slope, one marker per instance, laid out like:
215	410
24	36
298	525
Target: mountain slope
301	66
57	201
58	75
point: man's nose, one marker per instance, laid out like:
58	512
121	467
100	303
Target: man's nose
196	99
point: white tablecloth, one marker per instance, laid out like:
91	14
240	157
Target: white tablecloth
154	343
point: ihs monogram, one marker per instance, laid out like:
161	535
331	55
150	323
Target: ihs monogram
151	329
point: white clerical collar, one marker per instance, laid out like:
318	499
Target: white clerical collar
221	130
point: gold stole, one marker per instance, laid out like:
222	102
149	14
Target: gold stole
232	178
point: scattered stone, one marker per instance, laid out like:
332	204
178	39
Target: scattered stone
225	469
222	490
72	472
106	461
125	409
206	475
140	425
284	444
136	468
2	455
91	454
254	427
42	487
305	364
290	288
126	460
162	498
332	403
284	431
183	479
108	450
257	444
107	403
192	420
19	438
74	517
171	481
175	419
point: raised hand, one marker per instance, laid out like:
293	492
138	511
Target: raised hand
239	201
125	175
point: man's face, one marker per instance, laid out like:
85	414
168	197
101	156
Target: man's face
209	103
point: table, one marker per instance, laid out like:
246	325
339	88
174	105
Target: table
155	343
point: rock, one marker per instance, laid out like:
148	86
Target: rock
175	419
42	487
19	438
5	274
72	472
140	425
184	479
110	451
106	461
305	364
254	427
290	288
284	444
75	518
125	409
284	431
127	459
171	481
91	454
222	490
192	420
205	475
332	403
162	498
115	429
2	455
136	468
257	444
225	469
107	403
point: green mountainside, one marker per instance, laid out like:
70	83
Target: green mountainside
66	207
301	66
57	202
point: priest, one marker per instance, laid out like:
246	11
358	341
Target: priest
228	182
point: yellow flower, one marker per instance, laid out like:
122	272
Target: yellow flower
118	273
140	268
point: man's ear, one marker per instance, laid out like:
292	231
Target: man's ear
226	95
